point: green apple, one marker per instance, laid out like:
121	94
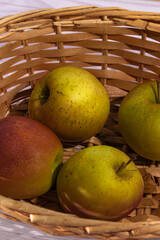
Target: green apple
139	120
92	184
70	101
30	157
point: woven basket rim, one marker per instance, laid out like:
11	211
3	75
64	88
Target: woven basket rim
75	8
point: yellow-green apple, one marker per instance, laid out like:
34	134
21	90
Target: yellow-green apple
30	157
71	101
92	184
139	120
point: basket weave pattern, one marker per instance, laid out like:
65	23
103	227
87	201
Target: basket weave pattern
122	49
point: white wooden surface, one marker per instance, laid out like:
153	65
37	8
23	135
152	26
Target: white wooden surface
21	231
16	6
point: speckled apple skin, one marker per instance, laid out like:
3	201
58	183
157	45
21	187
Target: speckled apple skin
78	105
88	185
30	157
139	120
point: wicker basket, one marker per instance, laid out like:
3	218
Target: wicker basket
122	49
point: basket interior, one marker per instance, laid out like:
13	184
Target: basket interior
120	47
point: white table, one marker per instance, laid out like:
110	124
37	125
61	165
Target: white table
20	231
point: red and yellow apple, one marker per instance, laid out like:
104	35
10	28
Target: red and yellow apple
71	101
30	157
92	184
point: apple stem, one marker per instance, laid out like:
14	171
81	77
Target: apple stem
42	98
157	81
124	165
